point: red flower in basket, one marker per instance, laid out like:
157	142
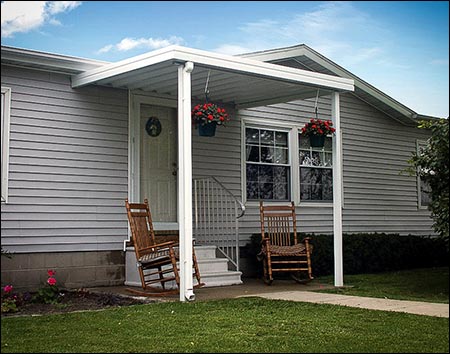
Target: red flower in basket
207	113
318	127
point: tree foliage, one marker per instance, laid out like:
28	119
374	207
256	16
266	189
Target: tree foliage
431	163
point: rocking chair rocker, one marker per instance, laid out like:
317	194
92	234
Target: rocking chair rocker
156	262
280	250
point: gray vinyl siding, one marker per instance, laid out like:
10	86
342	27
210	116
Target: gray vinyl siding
68	173
220	156
379	196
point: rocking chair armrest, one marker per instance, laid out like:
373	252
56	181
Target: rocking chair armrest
309	247
159	245
166	244
265	244
265	240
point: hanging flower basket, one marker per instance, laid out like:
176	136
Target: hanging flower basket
207	116
317	130
208	129
317	140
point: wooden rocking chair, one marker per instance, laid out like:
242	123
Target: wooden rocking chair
156	262
280	250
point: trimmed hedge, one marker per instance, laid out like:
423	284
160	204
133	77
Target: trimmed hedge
368	252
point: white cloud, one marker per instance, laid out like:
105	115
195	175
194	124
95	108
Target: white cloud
231	49
24	16
56	7
127	44
105	49
439	62
335	29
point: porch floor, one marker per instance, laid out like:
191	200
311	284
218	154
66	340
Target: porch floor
250	286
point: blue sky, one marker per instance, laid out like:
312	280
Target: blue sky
400	47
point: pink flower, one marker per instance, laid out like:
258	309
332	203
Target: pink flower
51	281
51	273
8	288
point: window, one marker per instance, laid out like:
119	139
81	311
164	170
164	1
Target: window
424	196
316	170
423	188
267	164
5	108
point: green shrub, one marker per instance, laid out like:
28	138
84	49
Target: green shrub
368	253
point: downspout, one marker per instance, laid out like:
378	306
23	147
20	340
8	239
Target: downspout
337	191
185	180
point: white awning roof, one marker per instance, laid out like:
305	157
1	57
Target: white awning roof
240	81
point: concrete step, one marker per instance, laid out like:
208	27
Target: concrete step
221	278
212	265
203	252
213	271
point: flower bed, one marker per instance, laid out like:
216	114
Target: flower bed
71	301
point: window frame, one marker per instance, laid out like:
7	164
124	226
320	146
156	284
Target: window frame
274	126
321	150
5	135
293	132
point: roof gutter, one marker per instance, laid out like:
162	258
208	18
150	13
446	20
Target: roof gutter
47	61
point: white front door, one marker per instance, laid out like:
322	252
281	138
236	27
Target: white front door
158	162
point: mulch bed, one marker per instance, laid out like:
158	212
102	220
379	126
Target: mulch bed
79	300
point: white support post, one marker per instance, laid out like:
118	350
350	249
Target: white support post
337	191
185	180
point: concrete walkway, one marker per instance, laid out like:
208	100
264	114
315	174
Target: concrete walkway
291	291
414	307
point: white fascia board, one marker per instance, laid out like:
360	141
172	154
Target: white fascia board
122	67
214	60
425	117
276	54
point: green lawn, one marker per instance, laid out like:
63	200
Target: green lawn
250	325
428	284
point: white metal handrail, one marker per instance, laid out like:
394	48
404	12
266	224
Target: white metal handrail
216	214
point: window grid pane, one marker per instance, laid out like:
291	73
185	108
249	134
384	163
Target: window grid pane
267	164
316	173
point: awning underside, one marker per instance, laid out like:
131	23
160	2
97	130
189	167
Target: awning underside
242	90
